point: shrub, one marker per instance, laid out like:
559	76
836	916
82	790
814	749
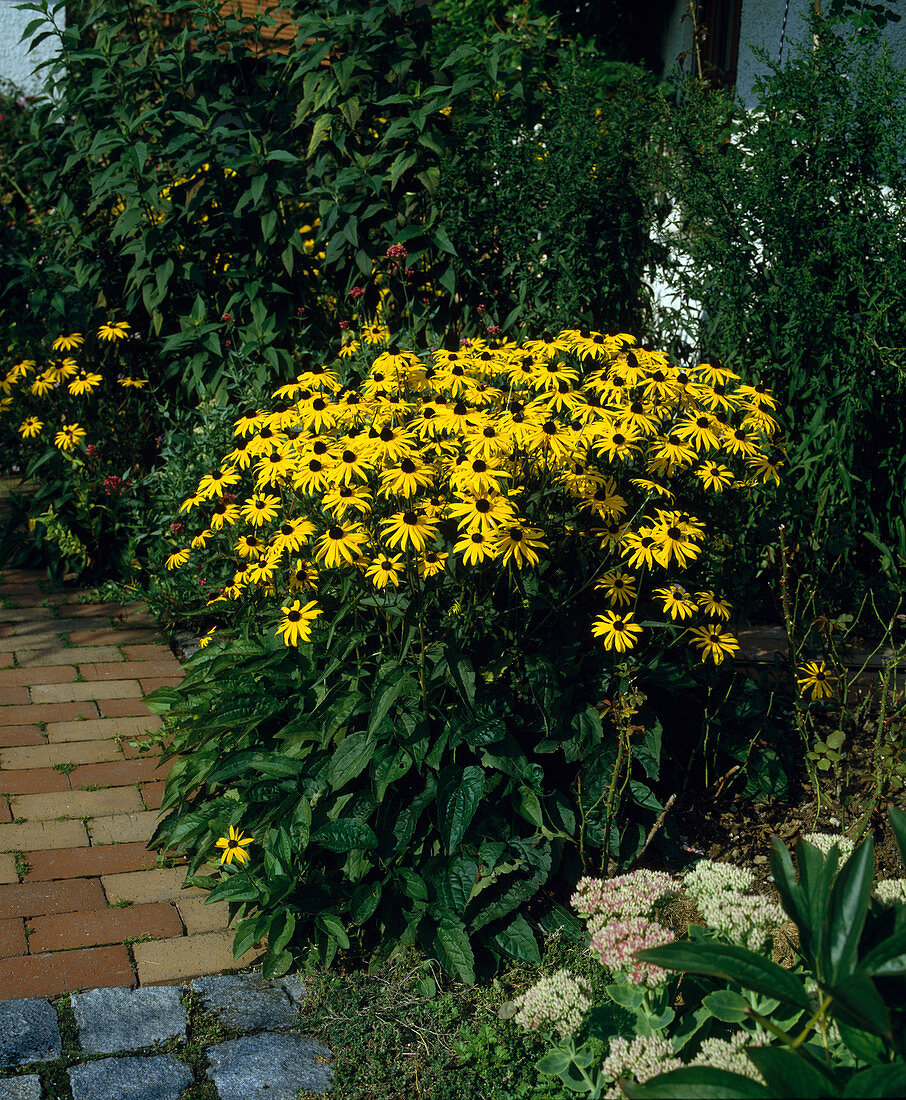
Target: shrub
441	528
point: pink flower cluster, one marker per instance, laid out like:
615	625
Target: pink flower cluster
616	942
641	1058
632	895
557	1003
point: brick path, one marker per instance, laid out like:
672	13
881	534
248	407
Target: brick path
83	903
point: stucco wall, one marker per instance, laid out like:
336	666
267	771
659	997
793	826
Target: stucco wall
15	63
760	25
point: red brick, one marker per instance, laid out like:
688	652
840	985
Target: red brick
30	677
65	971
153	794
119	670
159	920
103	859
118	773
12	938
159	652
122	708
6	814
33	899
90	610
148	686
13	696
123	636
32	781
21	735
47	712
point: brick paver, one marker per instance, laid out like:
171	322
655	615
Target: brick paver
81	804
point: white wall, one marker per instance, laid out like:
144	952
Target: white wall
15	63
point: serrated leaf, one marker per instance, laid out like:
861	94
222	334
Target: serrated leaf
518	941
350	759
345	835
460	801
455	952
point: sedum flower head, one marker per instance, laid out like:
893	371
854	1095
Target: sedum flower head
640	1058
556	1003
825	841
616	942
891	891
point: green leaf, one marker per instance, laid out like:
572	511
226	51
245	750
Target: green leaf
877	1081
365	899
732	964
333	927
462	672
518	941
350	759
727	1006
888	958
345	835
459	803
455	952
858	1003
553	1064
236	887
898	824
300	824
386	693
275	966
281	931
789	1074
847	908
529	806
246	936
696	1083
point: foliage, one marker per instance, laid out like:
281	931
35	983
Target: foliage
451	515
84	513
831	1026
788	217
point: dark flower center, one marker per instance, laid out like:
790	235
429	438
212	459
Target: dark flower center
350	457
294	616
387	435
483	506
674	533
407	466
410	518
336	532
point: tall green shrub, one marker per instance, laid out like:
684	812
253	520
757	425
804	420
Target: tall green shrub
791	218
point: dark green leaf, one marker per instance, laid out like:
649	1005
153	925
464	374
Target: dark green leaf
345	835
696	1083
518	940
789	1074
847	908
351	758
459	803
877	1081
455	952
727	1006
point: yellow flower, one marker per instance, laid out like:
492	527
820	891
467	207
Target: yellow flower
431	562
409	529
618	632
713	606
677	603
261	508
133	383
114	330
817	678
177	559
69	437
84	382
385	570
234	847
476	546
295	626
517	543
205	640
30	427
713	642
66	343
339	544
618	588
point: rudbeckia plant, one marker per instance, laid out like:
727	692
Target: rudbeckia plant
491	539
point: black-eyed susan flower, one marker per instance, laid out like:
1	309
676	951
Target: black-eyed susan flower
31	427
67	343
234	847
619	588
200	541
42	385
715	477
638	548
340	544
481	513
476	546
410	528
178	559
205	640
250	546
114	330
816	678
713	606
675	535
303	575
766	467
740	441
132	383
385	570
83	382
676	602
216	482
618	631
292	533
274	466
69	437
407	478
347	498
260	509
295	626
713	642
431	562
224	514
475	476
519	544
616	442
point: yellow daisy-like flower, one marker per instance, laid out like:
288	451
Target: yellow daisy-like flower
431	562
339	545
518	544
201	540
250	546
292	533
676	602
385	570
713	643
476	547
69	437
30	427
714	476
84	382
67	343
815	677
713	606
261	508
133	383
205	640
303	575
295	626
619	588
114	330
42	385
223	513
409	528
178	559
618	632
234	847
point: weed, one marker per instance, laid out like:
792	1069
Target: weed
22	864
122	903
66	642
64	767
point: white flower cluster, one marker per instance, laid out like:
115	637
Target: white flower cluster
728	1054
641	1058
557	1003
719	892
825	841
632	895
616	942
891	891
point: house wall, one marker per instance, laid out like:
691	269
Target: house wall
16	64
760	25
